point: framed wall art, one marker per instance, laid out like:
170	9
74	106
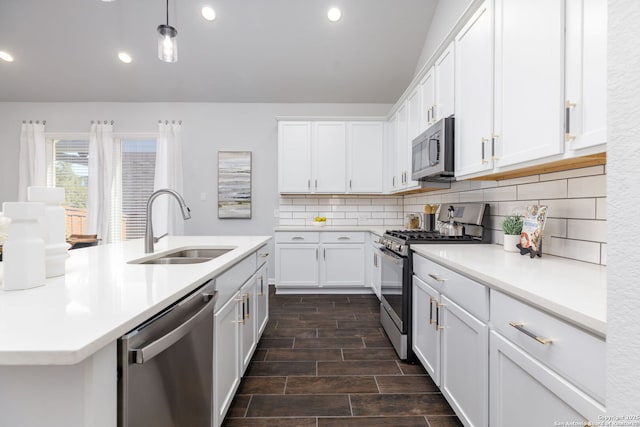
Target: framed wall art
234	184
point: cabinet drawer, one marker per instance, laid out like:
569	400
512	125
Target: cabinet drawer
342	237
572	352
468	294
297	237
263	254
231	280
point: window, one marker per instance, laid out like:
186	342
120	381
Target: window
133	175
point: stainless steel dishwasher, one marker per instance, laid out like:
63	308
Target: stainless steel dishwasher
165	366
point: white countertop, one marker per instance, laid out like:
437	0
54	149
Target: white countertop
572	290
375	229
101	297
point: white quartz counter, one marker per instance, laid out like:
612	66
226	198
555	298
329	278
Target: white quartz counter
101	297
377	230
572	290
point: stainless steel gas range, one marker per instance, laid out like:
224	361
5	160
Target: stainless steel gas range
461	223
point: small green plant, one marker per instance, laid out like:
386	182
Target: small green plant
512	225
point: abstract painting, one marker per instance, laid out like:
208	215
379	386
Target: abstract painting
234	184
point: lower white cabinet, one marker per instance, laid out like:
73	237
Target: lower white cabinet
376	272
262	299
331	260
526	393
464	374
426	335
227	359
248	324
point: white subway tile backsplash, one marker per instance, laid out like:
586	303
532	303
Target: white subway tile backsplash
344	222
310	208
336	201
292	222
371	208
601	208
450	198
592	170
393	209
357	201
543	190
555	227
477	185
574	249
394	223
345	208
292	208
516	181
571	208
498	194
592	230
590	186
472	196
510	208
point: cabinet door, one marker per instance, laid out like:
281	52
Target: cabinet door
414	105
529	80
403	148
296	265
465	364
342	265
226	353
426	336
330	153
445	78
294	157
428	90
586	73
390	183
474	93
262	300
248	335
365	141
528	394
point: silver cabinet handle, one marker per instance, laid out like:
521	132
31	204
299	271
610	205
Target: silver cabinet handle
375	260
428	115
296	238
248	296
493	146
393	182
344	238
309	184
431	321
437	278
151	350
324	253
483	141
521	328
350	185
316	184
261	285
264	254
316	254
438	325
568	105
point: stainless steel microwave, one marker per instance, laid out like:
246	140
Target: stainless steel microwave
432	153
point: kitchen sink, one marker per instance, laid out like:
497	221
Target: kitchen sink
185	256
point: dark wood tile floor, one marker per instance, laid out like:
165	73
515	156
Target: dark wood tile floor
324	361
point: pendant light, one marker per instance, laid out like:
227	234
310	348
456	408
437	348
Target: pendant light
167	41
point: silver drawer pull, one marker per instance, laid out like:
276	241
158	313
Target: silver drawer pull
344	238
264	255
437	278
297	238
521	328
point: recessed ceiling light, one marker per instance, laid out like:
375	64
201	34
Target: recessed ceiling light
334	14
124	57
208	13
6	56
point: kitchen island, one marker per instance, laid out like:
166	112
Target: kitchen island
58	341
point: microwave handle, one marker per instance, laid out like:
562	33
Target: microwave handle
433	162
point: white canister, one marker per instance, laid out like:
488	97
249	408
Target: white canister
510	242
53	225
23	253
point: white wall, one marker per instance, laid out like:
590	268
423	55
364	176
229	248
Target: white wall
444	18
207	129
623	292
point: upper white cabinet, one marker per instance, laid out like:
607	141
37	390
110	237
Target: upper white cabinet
332	157
364	156
586	73
329	148
390	161
474	93
407	128
294	157
437	89
529	65
428	92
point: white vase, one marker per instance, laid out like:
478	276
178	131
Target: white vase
510	242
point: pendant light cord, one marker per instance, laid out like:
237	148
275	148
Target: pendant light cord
167	12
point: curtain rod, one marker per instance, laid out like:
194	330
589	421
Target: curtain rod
166	122
105	122
24	122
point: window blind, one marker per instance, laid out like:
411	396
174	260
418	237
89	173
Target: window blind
71	172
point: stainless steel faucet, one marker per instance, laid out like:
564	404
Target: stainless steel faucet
149	240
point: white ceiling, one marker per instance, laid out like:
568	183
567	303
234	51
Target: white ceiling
255	50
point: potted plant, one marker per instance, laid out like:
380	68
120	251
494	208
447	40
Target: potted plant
512	227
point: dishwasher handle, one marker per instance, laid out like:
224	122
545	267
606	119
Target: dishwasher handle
151	350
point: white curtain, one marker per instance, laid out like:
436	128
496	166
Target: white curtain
100	180
32	163
167	217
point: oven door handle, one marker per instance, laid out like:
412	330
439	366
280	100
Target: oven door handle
392	257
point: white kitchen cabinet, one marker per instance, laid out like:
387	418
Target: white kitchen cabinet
390	162
248	319
330	151
294	157
342	265
426	335
428	91
586	73
227	360
414	113
465	373
365	142
329	260
474	93
376	271
529	80
403	147
444	70
526	393
262	300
